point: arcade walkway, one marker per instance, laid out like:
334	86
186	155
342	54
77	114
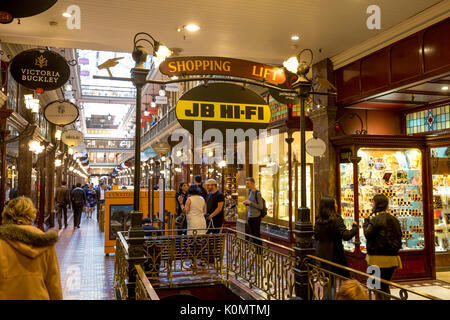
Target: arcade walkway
86	273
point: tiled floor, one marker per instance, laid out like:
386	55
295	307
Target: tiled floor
86	273
436	288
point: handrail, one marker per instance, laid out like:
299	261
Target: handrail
363	274
123	241
147	285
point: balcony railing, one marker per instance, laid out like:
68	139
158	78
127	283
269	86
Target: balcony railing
168	119
231	257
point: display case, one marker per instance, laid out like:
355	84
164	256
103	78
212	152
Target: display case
440	170
393	166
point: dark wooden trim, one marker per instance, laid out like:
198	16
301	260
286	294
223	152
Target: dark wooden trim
419	103
427	93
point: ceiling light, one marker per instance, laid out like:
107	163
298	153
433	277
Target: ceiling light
66	15
444	88
58	134
192	27
57	162
146	113
153	104
68	87
109	116
295	38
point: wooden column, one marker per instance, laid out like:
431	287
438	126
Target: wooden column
289	141
323	119
50	174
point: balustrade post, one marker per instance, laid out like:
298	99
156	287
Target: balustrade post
136	251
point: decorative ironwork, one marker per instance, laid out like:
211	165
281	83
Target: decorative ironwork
324	281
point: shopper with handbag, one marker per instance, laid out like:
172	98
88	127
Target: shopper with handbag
195	210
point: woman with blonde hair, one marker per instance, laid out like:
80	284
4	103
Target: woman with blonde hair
29	265
352	290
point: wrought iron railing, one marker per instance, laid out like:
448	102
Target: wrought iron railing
144	289
169	118
325	279
232	256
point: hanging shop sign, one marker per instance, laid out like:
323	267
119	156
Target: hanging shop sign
161	148
316	147
180	66
72	137
345	155
24	8
172	87
40	69
286	97
6	17
222	106
160	100
150	153
151	110
61	112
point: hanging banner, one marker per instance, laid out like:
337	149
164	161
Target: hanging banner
222	106
150	153
61	112
180	66
72	137
25	8
172	87
40	69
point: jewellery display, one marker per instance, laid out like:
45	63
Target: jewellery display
395	173
441	197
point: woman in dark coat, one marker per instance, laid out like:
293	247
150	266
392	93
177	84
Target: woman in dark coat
330	230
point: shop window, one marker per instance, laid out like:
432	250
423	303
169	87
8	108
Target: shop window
440	170
434	119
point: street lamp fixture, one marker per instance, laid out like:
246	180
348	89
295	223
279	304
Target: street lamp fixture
58	134
300	64
160	51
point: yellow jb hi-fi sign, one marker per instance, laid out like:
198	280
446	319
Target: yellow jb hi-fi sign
223	112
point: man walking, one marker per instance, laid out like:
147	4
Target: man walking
255	206
214	207
78	202
62	199
100	197
198	182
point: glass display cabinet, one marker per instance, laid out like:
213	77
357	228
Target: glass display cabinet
393	166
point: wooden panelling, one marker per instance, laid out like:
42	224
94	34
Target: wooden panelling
436	43
374	71
405	59
348	81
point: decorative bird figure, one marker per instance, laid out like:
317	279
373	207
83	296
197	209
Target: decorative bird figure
109	64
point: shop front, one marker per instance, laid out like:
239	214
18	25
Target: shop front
401	149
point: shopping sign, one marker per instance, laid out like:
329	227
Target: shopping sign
40	69
181	66
222	106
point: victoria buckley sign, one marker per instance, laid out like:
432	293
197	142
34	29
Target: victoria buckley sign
23	8
40	69
61	112
180	66
222	106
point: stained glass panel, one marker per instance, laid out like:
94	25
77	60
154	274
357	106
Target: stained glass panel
428	120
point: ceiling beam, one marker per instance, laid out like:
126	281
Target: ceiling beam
398	101
426	93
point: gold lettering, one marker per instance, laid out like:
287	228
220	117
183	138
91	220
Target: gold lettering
226	66
198	64
206	64
266	72
172	67
181	64
191	64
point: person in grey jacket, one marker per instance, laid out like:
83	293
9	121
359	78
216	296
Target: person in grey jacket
255	206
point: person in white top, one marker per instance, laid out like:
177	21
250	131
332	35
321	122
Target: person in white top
195	210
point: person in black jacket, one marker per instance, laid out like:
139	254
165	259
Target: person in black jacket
198	182
330	230
78	198
384	239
